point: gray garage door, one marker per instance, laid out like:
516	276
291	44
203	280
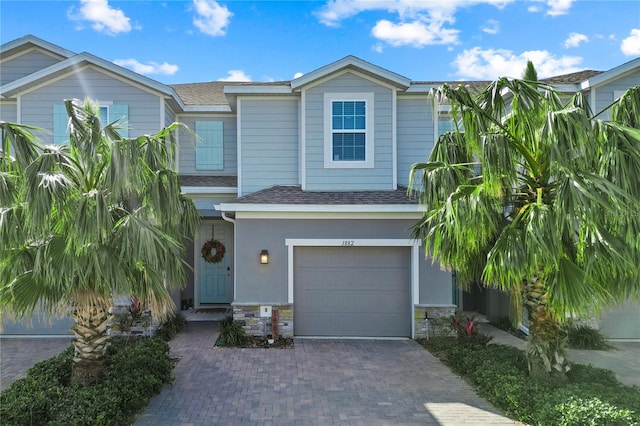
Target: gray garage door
622	321
352	291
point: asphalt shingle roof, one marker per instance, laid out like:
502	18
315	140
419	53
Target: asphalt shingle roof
221	181
212	92
295	195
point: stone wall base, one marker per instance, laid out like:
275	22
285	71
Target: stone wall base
122	323
432	320
256	325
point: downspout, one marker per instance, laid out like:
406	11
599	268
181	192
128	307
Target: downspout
233	222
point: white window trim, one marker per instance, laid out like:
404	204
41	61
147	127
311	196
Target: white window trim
368	162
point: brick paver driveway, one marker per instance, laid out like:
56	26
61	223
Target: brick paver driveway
319	382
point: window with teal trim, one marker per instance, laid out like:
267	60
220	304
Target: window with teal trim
349	125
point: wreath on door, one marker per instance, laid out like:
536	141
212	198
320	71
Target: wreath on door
213	251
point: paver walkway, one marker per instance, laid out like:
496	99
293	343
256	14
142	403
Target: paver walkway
17	355
318	382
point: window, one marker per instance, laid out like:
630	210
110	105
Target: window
348	130
348	126
209	146
445	120
108	114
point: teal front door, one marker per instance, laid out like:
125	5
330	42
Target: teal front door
215	279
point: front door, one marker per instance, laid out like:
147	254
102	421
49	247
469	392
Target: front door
215	279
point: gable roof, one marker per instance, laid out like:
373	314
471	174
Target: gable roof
73	62
29	41
613	73
352	62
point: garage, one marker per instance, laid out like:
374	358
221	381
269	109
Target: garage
621	321
352	291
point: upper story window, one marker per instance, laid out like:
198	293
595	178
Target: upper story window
445	120
348	140
109	112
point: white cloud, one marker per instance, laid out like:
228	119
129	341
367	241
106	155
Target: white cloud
416	34
631	45
559	7
490	64
555	7
298	75
575	39
418	22
212	18
491	27
150	68
236	75
103	17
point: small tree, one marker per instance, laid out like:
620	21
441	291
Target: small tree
82	221
535	196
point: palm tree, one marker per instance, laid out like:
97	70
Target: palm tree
533	195
82	221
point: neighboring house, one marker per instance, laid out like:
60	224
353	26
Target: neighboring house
303	182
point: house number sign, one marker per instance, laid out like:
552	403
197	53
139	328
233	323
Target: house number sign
348	243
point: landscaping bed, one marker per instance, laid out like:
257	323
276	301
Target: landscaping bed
591	396
136	369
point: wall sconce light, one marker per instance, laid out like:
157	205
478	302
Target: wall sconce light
264	257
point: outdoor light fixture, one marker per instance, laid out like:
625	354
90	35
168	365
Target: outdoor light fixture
264	257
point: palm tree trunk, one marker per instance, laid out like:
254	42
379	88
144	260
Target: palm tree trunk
90	343
547	342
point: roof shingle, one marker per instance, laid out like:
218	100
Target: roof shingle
295	195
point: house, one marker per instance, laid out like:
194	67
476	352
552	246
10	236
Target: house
301	183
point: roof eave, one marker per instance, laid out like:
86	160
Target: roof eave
321	208
42	75
613	73
257	90
30	39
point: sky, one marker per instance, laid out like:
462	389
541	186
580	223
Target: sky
180	41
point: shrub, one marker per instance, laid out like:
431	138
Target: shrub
171	327
466	328
587	411
585	337
231	333
136	369
592	396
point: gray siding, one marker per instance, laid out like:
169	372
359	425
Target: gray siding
8	111
269	143
605	94
144	107
415	134
169	116
258	283
380	177
25	64
187	164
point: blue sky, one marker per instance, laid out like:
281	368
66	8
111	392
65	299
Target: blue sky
180	41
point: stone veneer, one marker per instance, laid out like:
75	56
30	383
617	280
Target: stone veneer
122	323
256	325
429	320
432	320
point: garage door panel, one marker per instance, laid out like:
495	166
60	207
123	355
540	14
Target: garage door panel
352	325
354	291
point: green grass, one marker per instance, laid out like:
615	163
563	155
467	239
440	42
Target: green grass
592	396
